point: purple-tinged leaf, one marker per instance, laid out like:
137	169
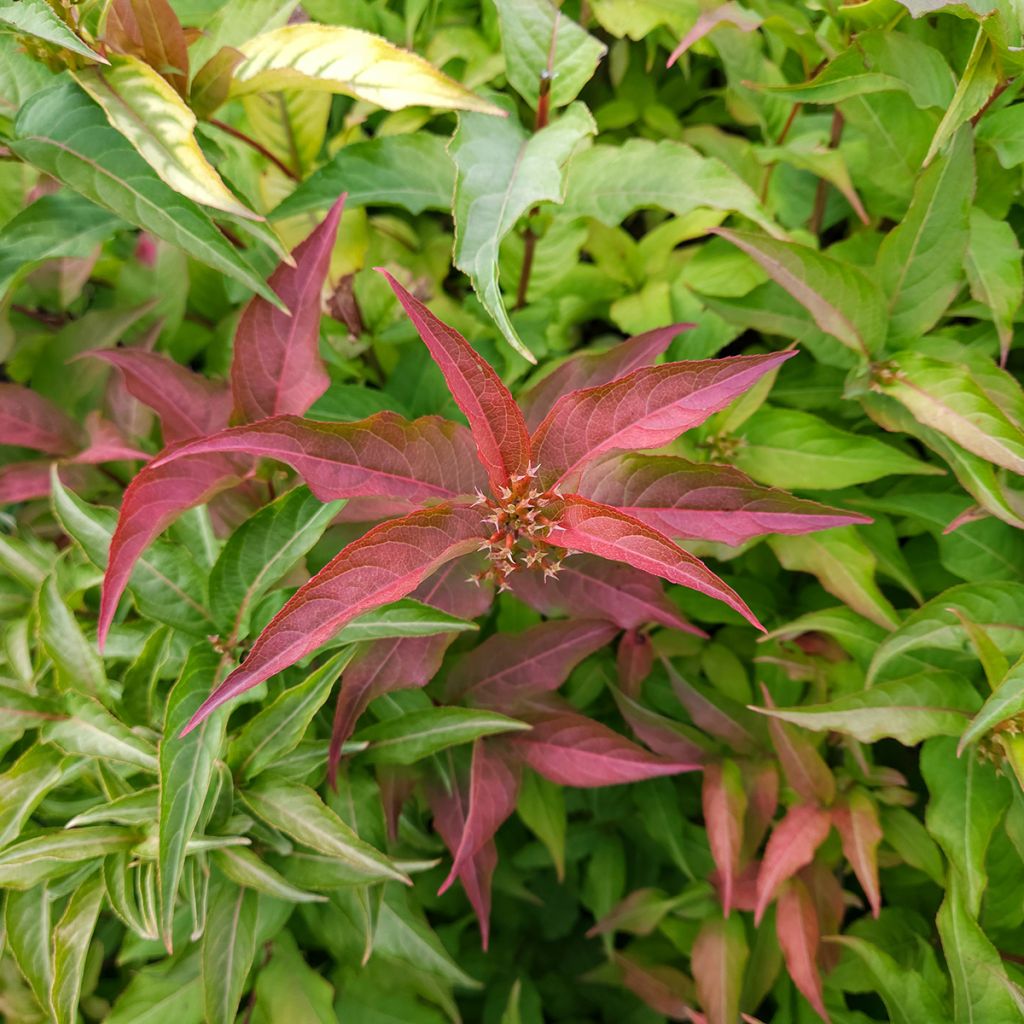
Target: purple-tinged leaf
797	929
707	715
493	791
792	844
25	481
761	783
593	588
188	404
724	802
276	367
572	750
645	409
707	502
634	660
151	31
503	442
588	369
639	914
30	421
509	668
664	989
385	564
385	455
106	444
726	14
856	821
718	959
153	500
804	768
665	736
604	531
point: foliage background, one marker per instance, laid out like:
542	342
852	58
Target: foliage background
845	177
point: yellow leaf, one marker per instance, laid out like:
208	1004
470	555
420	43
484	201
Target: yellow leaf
155	120
333	58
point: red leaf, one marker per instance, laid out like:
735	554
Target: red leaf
276	366
725	803
493	790
716	503
106	444
646	409
508	668
588	369
503	442
153	500
384	666
856	821
805	769
594	588
30	421
24	481
663	735
792	845
426	459
708	715
188	404
150	30
385	564
761	782
796	925
718	958
575	751
634	660
604	531
664	989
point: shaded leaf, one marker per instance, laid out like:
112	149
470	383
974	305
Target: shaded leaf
856	821
796	925
724	803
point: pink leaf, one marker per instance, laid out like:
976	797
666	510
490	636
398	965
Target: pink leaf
707	715
634	660
503	442
24	481
792	845
604	531
761	782
276	366
646	409
664	989
588	369
385	455
153	500
725	803
593	588
726	14
805	769
493	790
796	925
572	750
188	404
106	444
707	502
718	958
508	668
663	735
856	821
385	564
30	421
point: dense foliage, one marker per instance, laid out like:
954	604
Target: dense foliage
655	653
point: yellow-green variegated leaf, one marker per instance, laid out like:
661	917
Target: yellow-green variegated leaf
333	58
156	121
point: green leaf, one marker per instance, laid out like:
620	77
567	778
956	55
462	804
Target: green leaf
59	225
933	636
419	734
166	583
92	731
541	806
993	266
261	551
908	710
234	23
186	768
38	19
845	567
856	635
288	989
609	183
25	783
841	298
909	838
920	262
412	171
292	124
278	728
966	804
333	58
74	658
63	132
793	449
298	812
58	852
27	927
151	115
71	940
138	807
401	619
242	866
228	949
1006	701
502	171
168	992
537	39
